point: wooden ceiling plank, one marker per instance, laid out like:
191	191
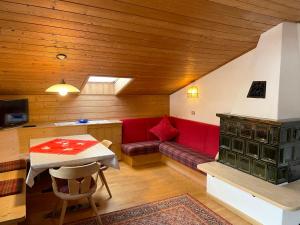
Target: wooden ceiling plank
66	50
127	71
9	57
213	11
183	45
4	51
38	31
47	23
92	69
11	41
40	56
141	19
69	76
227	16
55	66
95	45
62	17
98	56
92	7
289	3
274	9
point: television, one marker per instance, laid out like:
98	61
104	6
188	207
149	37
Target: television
13	112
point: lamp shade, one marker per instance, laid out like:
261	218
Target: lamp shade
62	88
193	92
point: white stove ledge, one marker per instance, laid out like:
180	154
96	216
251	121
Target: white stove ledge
256	199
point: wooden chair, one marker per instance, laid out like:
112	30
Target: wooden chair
107	144
73	183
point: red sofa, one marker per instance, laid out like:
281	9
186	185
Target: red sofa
196	142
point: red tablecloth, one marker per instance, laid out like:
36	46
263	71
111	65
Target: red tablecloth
63	146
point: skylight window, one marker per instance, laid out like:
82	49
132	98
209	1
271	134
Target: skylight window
99	79
102	85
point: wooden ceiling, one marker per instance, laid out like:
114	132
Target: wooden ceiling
163	44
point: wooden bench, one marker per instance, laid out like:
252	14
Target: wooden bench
13	207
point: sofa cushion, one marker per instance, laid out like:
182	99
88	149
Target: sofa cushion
199	137
140	148
164	130
12	165
183	154
137	130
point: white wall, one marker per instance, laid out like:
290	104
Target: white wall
289	89
265	66
217	92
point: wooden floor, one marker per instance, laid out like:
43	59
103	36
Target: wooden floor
130	187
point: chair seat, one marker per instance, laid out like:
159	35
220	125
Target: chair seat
141	148
183	154
62	185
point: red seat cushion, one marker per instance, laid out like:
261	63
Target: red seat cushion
164	130
183	154
140	148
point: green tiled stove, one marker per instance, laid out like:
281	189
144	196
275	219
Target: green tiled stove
267	149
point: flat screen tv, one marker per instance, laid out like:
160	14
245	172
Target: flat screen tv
13	112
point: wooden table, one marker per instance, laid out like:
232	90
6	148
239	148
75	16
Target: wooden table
40	162
224	181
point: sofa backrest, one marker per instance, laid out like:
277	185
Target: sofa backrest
201	137
137	130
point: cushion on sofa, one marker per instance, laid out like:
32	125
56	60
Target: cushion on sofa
183	154
164	130
199	137
137	130
140	148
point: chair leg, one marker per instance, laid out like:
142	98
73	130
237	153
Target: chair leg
92	203
63	212
103	179
55	212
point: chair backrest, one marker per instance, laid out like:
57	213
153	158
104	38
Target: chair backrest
106	143
79	178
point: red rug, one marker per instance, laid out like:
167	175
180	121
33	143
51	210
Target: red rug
181	210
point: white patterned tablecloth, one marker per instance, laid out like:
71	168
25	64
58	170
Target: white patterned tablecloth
39	162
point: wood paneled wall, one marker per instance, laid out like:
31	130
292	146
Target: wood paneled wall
9	145
49	108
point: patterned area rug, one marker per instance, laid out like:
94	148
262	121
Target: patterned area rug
181	210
